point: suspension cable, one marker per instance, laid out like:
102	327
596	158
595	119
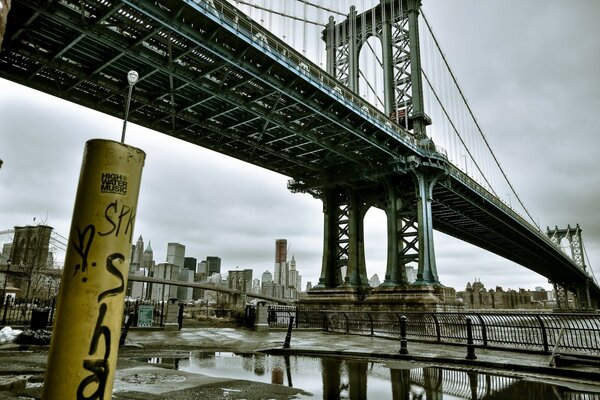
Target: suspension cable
371	88
588	262
279	13
320	7
474	119
457	133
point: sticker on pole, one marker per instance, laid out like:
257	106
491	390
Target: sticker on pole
113	183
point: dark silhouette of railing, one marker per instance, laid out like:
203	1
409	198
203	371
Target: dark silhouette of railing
18	312
526	332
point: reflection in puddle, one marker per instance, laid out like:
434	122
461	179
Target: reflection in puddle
336	378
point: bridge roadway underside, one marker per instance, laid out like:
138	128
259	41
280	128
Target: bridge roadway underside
218	80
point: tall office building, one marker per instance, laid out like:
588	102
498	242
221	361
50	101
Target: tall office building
213	265
266	277
161	291
293	274
148	258
137	258
281	266
190	263
176	254
185	293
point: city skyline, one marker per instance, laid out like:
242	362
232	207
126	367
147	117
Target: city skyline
536	109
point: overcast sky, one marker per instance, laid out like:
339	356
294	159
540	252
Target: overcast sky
530	70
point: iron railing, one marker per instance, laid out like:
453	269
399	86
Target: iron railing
514	331
18	312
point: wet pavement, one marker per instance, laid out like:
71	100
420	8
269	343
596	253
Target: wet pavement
136	379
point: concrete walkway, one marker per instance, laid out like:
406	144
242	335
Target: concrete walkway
138	380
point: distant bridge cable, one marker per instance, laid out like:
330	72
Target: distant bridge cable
458	134
587	263
269	10
320	7
475	121
378	99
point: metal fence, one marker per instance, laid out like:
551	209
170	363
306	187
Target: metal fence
515	331
146	313
21	313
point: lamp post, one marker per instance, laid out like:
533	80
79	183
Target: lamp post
132	78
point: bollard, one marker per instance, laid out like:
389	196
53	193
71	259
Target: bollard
125	330
180	316
403	343
288	337
83	351
470	347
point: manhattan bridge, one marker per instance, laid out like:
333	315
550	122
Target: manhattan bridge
355	103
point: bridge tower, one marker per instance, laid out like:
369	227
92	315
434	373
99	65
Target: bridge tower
405	194
580	291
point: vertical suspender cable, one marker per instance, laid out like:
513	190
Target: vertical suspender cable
305	33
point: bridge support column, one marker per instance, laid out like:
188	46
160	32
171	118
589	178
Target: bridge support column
582	293
334	240
410	239
427	272
400	240
343	249
356	273
562	296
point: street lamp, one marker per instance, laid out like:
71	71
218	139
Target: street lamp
132	78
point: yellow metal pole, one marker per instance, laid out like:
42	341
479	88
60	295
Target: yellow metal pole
85	338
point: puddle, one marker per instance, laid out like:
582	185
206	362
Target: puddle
337	378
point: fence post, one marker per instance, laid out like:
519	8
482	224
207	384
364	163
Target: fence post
544	335
180	316
483	330
403	347
470	347
6	301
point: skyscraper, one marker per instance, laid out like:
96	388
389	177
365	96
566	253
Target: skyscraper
137	257
266	277
281	267
176	254
190	263
213	265
148	259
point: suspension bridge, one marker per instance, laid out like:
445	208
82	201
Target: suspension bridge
358	106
